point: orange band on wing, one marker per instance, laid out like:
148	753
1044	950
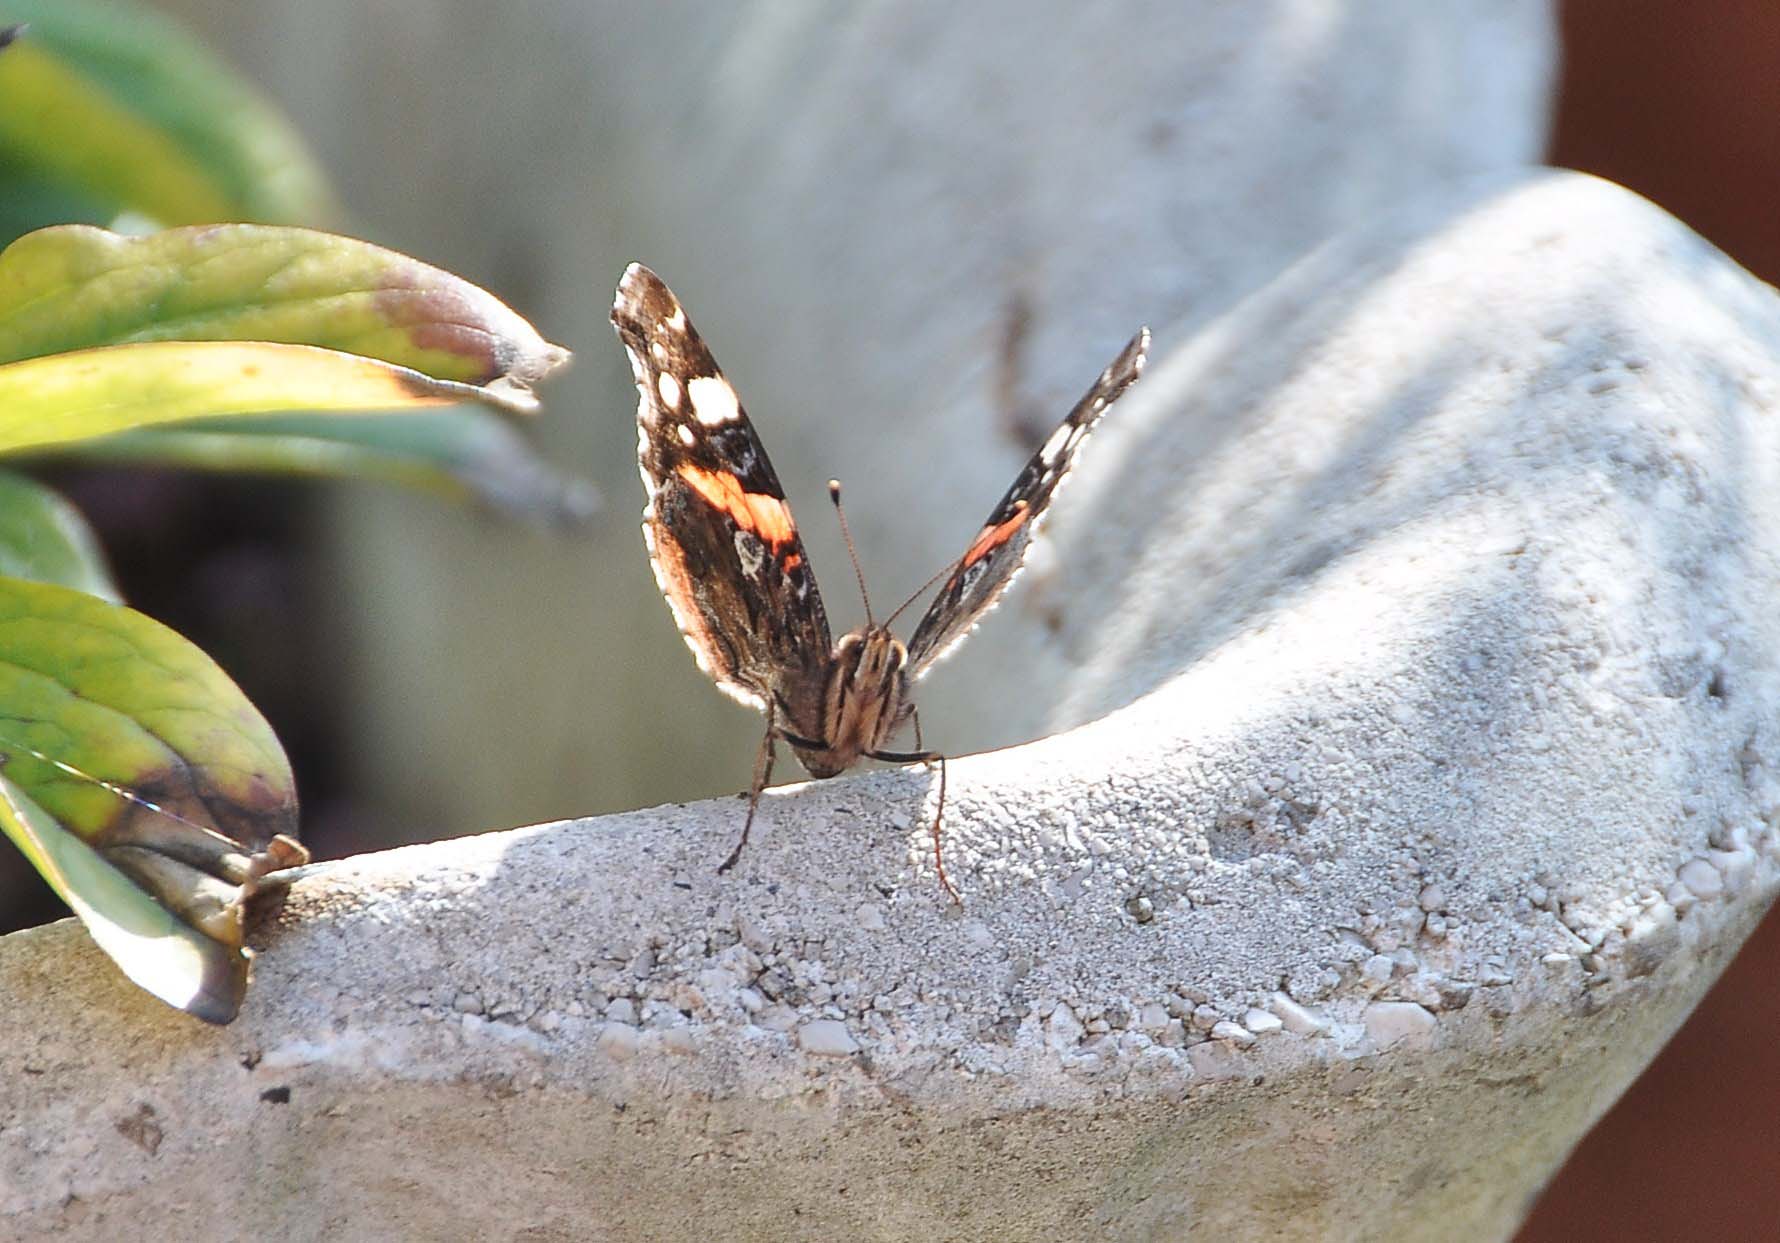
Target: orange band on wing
995	536
765	516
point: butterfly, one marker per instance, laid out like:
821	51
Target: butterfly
728	558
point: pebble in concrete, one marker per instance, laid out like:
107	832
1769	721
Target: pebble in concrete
826	1038
1262	1022
1702	879
1299	1020
1400	1022
618	1041
1235	1033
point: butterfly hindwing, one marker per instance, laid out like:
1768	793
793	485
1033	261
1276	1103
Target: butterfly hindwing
996	554
725	550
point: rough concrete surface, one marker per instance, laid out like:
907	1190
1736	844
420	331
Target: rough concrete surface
1428	780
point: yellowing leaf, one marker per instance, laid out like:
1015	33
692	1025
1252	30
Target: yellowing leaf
74	287
143	785
69	397
159	952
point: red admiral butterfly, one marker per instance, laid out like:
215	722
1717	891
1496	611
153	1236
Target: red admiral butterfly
728	557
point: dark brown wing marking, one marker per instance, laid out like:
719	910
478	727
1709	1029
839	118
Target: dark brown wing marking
999	549
723	544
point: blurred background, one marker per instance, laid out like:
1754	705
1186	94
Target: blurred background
435	672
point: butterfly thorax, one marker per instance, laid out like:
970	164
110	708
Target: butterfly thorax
865	700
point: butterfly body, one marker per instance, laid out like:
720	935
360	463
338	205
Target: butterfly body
865	702
730	562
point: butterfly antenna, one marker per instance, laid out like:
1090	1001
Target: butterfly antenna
834	494
951	567
948	568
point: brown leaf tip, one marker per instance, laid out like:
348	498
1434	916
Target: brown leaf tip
442	312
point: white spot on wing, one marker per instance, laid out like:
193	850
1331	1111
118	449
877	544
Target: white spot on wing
669	388
659	352
686	436
677	321
713	400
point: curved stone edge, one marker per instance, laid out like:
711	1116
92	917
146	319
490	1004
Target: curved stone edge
356	1084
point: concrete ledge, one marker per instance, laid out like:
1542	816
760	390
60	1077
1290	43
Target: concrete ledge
1383	872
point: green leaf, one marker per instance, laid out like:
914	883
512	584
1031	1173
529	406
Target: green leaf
159	952
76	287
127	747
70	397
122	105
459	454
29	201
45	539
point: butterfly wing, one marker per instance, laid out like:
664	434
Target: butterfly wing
996	554
721	539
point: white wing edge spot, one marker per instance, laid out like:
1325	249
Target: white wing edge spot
639	370
1058	442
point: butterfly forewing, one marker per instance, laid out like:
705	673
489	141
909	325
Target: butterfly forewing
721	539
995	555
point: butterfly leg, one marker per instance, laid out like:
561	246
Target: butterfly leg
763	773
939	811
920	755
